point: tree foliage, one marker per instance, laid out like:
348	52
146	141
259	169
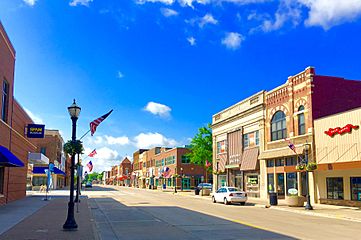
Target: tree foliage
72	148
201	146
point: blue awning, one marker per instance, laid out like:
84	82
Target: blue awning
7	159
41	170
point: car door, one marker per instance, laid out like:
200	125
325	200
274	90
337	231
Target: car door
218	195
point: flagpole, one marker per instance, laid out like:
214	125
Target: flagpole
84	135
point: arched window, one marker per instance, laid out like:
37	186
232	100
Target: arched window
278	126
301	121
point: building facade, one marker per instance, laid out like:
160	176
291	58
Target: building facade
13	120
238	134
338	156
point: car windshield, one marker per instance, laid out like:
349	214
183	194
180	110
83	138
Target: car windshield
205	185
232	189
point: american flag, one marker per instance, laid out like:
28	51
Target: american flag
292	146
90	166
92	154
94	124
208	164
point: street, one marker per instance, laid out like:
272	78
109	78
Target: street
127	213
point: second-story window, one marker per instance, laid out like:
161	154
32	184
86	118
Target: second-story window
301	121
5	101
185	159
278	126
221	147
43	150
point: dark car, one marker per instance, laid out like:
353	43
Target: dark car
88	185
202	186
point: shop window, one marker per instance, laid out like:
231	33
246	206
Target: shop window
280	184
291	161
2	180
5	101
38	181
301	121
278	126
270	163
280	162
335	188
186	159
271	182
291	181
355	188
221	147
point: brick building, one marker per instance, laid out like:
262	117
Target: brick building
13	120
125	170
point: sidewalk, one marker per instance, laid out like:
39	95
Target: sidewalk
47	222
320	210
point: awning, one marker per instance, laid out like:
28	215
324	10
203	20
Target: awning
249	159
37	158
41	170
281	152
7	159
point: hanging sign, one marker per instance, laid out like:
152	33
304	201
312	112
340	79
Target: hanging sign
346	129
35	131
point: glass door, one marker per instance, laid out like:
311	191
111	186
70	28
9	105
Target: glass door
280	184
186	183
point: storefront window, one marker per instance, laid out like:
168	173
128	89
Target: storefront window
38	181
280	162
1	180
270	163
291	181
270	182
355	188
335	188
281	184
291	161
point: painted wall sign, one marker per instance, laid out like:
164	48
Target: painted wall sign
35	131
346	129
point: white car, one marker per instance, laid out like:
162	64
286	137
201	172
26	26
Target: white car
229	195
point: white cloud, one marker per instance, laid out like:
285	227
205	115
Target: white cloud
30	2
329	13
167	2
158	109
232	40
167	12
34	117
124	140
74	3
106	153
148	140
120	74
207	19
103	160
192	41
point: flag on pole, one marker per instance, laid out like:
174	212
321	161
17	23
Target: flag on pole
208	164
90	166
92	154
94	124
292	146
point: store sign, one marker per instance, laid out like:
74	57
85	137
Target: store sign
346	129
35	131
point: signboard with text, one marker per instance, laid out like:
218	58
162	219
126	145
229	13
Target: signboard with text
35	131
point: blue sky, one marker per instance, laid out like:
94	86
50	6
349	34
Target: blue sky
166	66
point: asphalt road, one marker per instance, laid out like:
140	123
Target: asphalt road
127	213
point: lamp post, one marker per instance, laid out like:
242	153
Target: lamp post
70	224
217	176
78	182
308	204
181	179
175	181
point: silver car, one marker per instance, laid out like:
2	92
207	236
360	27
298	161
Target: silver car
229	195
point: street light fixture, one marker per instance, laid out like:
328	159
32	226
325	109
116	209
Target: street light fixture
308	204
70	224
181	179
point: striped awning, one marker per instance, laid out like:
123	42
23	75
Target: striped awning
250	159
222	162
280	152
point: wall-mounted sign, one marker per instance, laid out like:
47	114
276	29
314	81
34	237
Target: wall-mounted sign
346	129
35	131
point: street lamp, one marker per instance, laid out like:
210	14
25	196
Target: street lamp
175	180
78	183
181	179
308	205
70	224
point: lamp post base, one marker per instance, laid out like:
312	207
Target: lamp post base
70	223
308	204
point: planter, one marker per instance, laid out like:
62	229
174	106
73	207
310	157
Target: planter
295	201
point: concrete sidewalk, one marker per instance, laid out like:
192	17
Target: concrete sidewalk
320	210
47	223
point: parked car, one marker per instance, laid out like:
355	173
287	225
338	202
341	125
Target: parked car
203	186
229	195
88	185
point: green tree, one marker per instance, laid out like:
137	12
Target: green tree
201	146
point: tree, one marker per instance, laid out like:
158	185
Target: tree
201	146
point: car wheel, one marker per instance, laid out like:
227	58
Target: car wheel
226	201
213	200
243	203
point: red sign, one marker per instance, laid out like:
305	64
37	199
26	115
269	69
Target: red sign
346	129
